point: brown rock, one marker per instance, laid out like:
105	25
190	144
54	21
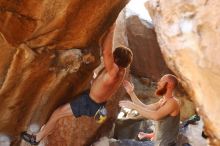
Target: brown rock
58	24
148	64
188	35
140	37
148	60
84	130
36	76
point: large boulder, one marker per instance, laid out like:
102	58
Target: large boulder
48	52
148	64
148	60
84	131
140	37
188	33
129	128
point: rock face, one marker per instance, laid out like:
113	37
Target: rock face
148	60
140	37
83	131
188	33
48	52
148	64
129	129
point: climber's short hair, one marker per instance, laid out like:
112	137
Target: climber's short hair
122	56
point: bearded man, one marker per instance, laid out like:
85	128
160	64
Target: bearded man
166	112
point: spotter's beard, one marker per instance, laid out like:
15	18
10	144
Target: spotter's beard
162	91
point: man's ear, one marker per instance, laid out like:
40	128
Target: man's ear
167	85
170	85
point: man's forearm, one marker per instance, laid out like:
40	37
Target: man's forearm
146	113
108	55
135	99
106	43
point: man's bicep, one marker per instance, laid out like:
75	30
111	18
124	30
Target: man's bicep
107	51
109	64
108	59
156	105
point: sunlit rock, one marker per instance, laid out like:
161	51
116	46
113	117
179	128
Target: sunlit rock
191	50
148	64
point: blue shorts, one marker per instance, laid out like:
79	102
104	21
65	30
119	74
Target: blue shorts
85	106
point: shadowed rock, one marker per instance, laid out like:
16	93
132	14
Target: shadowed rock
48	52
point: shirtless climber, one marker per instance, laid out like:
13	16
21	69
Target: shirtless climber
102	88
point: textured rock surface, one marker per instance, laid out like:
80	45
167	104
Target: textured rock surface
148	64
129	128
40	67
188	33
57	23
140	37
84	131
148	60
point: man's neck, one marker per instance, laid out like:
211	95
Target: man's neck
168	95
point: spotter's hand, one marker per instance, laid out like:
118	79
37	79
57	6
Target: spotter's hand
126	104
129	87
